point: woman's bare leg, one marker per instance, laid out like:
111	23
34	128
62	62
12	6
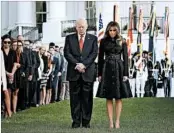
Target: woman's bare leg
15	99
118	112
7	103
44	95
109	104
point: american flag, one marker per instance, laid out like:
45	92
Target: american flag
100	29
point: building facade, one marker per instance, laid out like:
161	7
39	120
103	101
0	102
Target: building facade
51	21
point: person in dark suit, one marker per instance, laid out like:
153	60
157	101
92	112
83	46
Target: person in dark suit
35	66
80	52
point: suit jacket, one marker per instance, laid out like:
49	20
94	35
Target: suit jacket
87	56
26	61
35	65
26	64
56	67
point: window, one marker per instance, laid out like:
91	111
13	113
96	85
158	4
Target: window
90	9
41	14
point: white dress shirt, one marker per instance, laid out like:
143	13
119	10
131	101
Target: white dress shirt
3	73
79	36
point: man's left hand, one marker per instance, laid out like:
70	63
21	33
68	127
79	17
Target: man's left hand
80	67
30	77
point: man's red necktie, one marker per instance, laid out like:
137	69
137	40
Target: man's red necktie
81	42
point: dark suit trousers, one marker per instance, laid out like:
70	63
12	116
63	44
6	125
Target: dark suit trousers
81	101
167	88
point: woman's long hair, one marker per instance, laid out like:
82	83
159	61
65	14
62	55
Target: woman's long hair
49	61
18	52
112	24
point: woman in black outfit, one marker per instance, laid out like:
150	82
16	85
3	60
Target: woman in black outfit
17	76
9	61
112	70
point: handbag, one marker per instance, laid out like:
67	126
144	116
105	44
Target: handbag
101	91
126	90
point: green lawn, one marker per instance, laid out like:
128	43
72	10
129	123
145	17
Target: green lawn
143	115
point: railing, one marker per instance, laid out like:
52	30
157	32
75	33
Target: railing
29	33
125	21
68	27
14	32
32	35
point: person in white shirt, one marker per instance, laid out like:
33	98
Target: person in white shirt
4	86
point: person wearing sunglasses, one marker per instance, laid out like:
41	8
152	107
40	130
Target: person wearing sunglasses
112	70
10	59
4	87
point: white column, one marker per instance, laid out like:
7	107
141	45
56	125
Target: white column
56	11
52	28
26	13
81	8
4	16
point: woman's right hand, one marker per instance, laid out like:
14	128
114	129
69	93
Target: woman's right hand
9	75
99	78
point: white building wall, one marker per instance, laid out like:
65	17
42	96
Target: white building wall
17	13
75	10
23	13
12	14
70	12
26	15
60	11
52	28
80	10
4	16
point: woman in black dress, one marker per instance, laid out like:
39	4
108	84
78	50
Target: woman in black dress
9	60
112	70
17	76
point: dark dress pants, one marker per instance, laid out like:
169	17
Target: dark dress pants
54	87
81	102
167	88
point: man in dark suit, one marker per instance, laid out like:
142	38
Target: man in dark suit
80	51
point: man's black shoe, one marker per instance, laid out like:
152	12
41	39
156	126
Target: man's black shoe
75	125
86	126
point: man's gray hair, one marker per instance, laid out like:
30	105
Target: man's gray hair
81	20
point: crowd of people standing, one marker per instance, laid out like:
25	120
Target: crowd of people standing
32	74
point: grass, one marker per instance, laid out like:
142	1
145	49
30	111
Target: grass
143	115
